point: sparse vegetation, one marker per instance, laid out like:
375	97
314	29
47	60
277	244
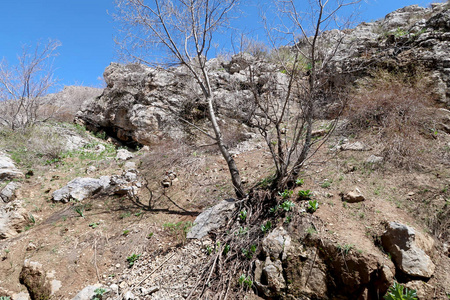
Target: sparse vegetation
399	292
132	259
313	205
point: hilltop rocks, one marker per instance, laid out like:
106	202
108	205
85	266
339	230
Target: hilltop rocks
400	241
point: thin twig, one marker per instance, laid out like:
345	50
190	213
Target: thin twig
95	259
151	273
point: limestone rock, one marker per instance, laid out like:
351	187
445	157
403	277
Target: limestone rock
8	193
7	168
34	278
356	146
210	219
123	154
277	244
400	241
13	218
353	196
423	289
80	188
269	277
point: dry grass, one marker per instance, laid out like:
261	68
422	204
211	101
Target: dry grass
398	110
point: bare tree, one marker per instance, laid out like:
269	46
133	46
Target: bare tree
184	28
23	85
285	111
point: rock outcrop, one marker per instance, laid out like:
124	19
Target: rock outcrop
13	219
400	241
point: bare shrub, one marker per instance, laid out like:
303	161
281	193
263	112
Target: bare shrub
23	85
398	109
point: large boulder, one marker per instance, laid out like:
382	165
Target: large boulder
400	241
80	188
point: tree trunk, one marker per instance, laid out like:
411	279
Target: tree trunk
234	172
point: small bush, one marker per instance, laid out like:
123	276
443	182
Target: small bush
399	292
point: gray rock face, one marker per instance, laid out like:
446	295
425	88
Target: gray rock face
210	219
8	193
13	218
80	188
400	241
7	168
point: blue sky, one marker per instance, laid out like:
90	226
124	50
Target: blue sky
86	31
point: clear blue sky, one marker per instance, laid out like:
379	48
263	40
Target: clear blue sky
86	31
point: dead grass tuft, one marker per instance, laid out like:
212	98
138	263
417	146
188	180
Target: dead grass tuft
398	109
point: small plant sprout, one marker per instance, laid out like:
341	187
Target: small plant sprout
132	259
245	281
79	209
226	249
326	184
249	252
399	292
98	293
32	219
288	219
287	205
304	194
94	225
266	227
243	215
299	181
286	194
125	232
313	205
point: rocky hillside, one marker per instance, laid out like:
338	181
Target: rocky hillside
132	202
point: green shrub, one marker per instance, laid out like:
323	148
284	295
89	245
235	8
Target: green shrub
304	195
313	205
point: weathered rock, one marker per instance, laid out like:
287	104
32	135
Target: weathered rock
269	277
353	196
400	241
356	146
7	168
8	193
374	160
423	289
35	280
276	244
80	188
13	218
211	219
124	154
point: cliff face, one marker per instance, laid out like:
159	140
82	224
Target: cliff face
404	40
142	105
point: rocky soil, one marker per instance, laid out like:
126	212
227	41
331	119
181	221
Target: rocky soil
140	207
